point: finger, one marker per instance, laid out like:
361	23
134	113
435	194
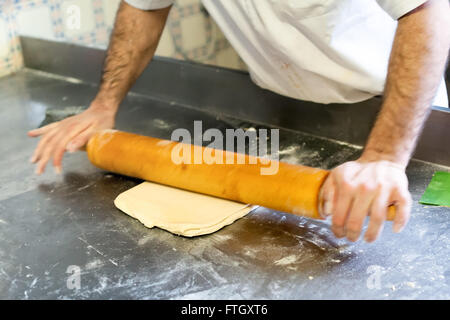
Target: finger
37	154
341	205
80	140
45	156
58	154
61	148
326	197
403	211
358	212
378	214
42	130
40	166
48	149
57	157
343	198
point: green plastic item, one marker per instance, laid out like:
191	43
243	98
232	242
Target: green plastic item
438	191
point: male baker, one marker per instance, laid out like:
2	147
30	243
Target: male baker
325	51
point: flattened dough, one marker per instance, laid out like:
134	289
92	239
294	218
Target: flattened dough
178	211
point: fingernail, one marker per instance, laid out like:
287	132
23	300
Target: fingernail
32	159
367	239
339	232
58	170
352	236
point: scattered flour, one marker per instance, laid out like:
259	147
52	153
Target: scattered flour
286	260
161	124
94	264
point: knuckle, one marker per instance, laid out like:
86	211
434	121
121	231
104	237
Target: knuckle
368	188
347	185
75	142
364	188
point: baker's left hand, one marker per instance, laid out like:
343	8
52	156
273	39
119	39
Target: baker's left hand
357	189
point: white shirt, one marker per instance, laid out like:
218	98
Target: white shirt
326	51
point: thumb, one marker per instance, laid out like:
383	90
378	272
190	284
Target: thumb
326	197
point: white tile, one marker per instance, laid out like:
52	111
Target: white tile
35	22
228	58
165	46
78	17
193	31
4	71
110	8
4	39
183	3
216	31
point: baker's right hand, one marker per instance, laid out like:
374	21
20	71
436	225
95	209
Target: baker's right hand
69	134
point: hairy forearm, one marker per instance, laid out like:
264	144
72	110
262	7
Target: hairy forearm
133	43
416	66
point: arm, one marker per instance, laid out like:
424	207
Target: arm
416	66
133	43
377	179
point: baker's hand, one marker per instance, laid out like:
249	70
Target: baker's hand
70	135
357	189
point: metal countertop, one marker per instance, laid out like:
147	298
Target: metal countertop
52	222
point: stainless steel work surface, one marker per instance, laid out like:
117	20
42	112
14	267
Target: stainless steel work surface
52	222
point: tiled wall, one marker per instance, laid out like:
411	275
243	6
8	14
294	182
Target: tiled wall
189	34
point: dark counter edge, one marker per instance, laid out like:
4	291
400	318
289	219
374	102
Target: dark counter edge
231	92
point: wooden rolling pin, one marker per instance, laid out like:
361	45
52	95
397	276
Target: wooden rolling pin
293	189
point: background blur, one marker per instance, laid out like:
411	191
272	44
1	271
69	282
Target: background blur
190	33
